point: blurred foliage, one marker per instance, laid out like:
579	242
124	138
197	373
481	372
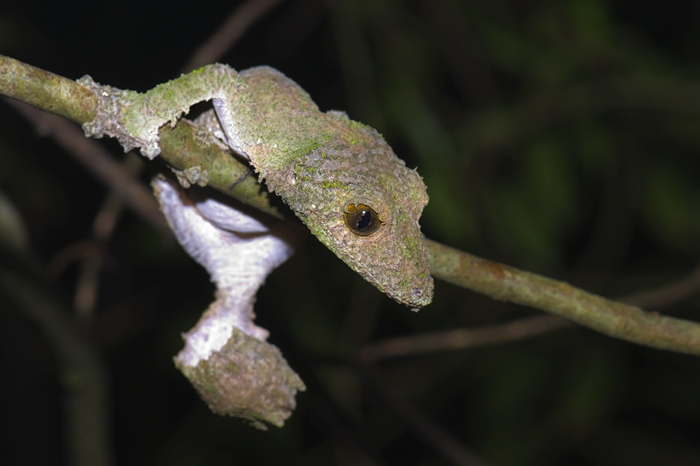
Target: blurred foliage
556	136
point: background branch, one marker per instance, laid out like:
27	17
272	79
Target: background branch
233	28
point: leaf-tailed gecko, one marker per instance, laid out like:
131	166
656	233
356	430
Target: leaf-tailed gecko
340	177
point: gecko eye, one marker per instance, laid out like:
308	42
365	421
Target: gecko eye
362	219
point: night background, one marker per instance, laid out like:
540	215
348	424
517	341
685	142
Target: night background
556	136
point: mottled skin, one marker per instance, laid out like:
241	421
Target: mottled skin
321	162
318	163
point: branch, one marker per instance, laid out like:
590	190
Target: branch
181	150
612	318
518	329
46	91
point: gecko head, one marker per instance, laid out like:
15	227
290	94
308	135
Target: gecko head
381	240
364	204
367	210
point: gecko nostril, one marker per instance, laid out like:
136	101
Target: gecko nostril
361	219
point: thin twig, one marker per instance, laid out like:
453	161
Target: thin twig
233	28
462	338
70	254
98	161
87	285
667	294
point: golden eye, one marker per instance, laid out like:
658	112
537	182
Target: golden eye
362	219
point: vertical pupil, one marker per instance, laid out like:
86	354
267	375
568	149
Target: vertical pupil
361	219
364	220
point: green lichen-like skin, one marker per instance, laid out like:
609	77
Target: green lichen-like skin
318	163
321	162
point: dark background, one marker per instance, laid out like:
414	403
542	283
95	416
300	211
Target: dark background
539	149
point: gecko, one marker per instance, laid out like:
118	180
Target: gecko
340	177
